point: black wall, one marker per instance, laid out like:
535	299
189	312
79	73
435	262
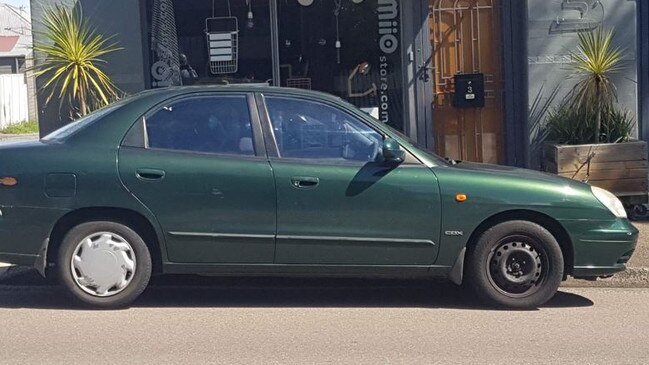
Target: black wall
121	18
643	69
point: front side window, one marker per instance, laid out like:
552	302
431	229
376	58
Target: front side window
214	124
310	130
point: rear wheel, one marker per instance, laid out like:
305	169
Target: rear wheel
515	264
104	264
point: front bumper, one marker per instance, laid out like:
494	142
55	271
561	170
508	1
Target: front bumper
601	248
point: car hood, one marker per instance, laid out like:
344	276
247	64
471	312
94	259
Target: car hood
517	173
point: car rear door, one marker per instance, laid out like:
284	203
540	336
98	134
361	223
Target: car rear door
336	205
199	164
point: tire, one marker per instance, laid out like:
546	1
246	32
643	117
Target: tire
104	253
515	264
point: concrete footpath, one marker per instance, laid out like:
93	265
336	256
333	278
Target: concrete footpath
636	275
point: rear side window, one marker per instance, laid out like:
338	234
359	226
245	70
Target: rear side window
211	124
74	127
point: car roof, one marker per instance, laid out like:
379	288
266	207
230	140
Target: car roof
239	88
119	121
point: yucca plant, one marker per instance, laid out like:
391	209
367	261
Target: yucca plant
595	60
73	52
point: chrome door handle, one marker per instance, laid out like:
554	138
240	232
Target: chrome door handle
305	182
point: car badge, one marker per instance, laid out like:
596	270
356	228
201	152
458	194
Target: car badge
454	233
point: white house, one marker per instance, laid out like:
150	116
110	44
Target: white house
17	96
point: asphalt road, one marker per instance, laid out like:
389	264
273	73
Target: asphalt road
252	321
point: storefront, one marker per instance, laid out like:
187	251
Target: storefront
348	48
456	75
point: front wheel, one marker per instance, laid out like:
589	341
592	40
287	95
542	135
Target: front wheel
515	264
104	264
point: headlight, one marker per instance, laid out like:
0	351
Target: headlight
610	201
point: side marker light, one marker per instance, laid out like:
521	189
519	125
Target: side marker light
8	181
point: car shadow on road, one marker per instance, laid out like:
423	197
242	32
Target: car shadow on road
205	292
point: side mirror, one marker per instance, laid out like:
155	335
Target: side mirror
392	151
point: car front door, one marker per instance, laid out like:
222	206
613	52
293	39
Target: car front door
199	164
336	204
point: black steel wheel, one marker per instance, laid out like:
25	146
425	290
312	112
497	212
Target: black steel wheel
515	264
516	267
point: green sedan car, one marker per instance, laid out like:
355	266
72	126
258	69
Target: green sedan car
247	180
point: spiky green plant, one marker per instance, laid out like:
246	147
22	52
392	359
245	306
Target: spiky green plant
571	126
537	114
617	126
73	52
575	126
596	59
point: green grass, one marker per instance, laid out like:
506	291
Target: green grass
27	127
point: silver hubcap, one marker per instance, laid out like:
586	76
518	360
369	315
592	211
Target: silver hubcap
103	264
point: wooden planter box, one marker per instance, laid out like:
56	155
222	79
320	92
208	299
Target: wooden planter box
620	168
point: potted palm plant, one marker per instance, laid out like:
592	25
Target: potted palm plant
72	61
591	133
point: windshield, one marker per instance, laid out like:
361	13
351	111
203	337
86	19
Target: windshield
77	125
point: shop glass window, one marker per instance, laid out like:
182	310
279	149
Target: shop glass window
208	124
351	49
310	130
204	42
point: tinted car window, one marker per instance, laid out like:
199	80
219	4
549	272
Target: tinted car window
310	130
73	127
219	124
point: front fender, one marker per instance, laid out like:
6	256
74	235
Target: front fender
491	193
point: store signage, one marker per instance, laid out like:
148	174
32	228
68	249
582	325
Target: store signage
578	16
389	63
388	26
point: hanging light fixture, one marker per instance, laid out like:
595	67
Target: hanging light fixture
305	2
250	23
